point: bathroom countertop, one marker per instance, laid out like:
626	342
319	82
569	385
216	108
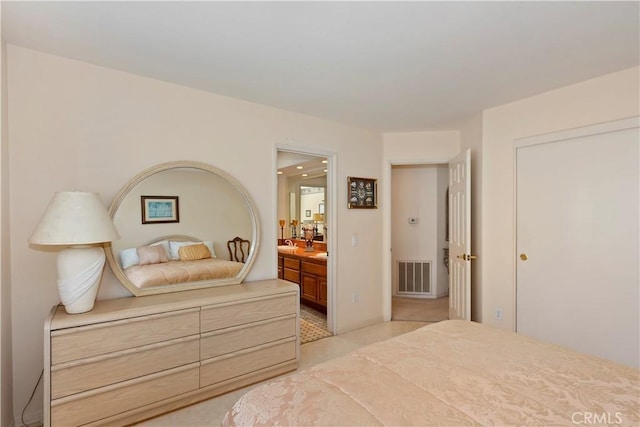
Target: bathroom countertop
301	253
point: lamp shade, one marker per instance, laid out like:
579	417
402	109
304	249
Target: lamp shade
318	217
74	218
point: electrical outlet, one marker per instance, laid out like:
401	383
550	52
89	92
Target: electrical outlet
498	313
355	297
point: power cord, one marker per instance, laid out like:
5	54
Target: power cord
30	399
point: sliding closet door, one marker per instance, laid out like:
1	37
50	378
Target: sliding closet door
577	198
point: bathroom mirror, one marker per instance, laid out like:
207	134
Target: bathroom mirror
175	205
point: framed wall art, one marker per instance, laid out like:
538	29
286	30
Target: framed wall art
159	209
362	193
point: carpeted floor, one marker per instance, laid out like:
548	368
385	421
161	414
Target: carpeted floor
420	309
313	325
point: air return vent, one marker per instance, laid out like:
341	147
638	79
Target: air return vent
414	277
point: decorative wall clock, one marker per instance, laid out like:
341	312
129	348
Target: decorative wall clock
362	193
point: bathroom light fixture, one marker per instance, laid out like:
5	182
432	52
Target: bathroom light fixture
79	222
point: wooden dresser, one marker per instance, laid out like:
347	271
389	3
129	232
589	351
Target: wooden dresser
133	358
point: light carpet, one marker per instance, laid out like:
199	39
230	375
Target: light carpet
420	309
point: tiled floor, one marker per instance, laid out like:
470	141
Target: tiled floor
210	412
313	325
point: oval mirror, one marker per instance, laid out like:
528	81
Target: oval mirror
183	225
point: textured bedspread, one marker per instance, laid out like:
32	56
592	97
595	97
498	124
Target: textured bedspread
170	273
453	373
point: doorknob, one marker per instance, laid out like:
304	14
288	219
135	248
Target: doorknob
524	257
467	257
463	256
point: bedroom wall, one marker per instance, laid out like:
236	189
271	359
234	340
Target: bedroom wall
78	126
6	380
610	97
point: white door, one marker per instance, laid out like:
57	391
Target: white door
460	236
577	240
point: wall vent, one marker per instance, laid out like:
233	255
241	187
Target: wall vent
414	277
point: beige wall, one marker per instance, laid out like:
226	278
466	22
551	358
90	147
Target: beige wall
610	97
75	126
6	378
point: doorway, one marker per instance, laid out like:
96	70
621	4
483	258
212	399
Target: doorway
419	242
305	212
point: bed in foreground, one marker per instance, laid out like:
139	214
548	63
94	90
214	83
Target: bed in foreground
452	373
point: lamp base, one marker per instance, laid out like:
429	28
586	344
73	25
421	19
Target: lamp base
79	273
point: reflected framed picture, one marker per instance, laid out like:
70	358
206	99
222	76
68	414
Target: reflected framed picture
159	209
362	193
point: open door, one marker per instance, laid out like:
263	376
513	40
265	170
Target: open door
460	236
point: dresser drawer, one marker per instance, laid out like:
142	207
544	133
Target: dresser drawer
78	376
291	263
91	406
87	341
222	368
228	340
234	314
317	269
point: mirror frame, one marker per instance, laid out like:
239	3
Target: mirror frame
187	286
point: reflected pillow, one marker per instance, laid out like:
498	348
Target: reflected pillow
129	257
194	252
165	245
151	255
174	247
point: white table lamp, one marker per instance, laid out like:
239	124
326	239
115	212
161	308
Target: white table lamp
80	222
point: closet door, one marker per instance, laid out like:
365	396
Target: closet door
577	202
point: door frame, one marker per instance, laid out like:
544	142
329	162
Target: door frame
331	214
387	259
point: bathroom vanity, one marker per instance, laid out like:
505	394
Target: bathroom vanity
308	269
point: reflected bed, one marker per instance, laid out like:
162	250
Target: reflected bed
172	260
173	272
452	373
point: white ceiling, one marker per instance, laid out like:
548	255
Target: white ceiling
387	66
